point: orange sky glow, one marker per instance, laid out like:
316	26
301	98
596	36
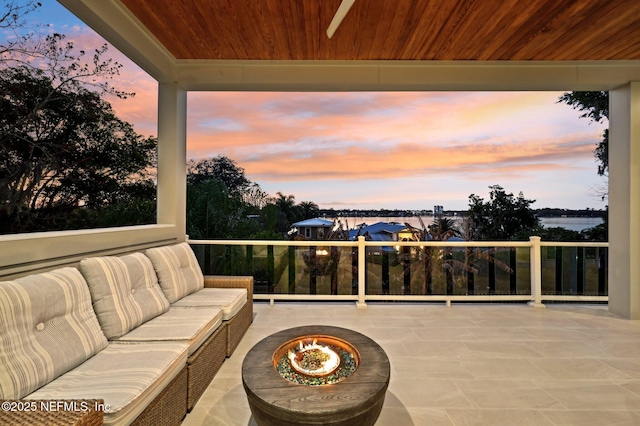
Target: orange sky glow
401	150
397	150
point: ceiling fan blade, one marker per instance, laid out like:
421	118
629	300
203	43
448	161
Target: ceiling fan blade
342	11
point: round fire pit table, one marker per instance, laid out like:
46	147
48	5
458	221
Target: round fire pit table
275	400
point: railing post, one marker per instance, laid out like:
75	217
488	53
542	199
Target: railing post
536	273
361	272
292	269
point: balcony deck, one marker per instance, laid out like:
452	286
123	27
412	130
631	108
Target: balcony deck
489	364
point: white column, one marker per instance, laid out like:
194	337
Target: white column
172	157
624	201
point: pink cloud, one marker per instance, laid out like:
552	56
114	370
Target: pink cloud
396	134
409	159
310	141
384	149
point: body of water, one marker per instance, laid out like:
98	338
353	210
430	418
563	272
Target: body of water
571	223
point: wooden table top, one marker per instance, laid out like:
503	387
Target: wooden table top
291	401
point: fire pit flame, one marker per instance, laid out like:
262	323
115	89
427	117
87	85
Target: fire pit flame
314	359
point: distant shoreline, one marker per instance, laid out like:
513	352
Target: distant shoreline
541	213
573	223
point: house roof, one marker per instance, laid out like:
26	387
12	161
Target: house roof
314	223
385	227
380	231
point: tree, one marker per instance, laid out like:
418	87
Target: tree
255	197
444	228
285	203
32	46
217	194
503	217
214	212
61	148
269	215
289	212
595	107
220	201
221	168
558	233
13	23
309	209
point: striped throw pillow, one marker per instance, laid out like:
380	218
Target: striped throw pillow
124	291
179	273
47	327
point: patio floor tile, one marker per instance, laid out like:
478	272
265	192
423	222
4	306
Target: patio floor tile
468	364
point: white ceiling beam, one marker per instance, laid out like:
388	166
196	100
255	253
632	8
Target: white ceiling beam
405	75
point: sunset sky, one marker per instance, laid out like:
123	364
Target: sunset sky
378	150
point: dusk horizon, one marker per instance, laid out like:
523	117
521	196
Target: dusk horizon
332	149
365	150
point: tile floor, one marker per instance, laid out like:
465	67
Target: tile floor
480	364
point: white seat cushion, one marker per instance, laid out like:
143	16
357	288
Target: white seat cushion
191	326
127	376
229	300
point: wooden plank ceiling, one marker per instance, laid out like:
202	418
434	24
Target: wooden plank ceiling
395	29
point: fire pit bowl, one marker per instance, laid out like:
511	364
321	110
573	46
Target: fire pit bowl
325	391
316	360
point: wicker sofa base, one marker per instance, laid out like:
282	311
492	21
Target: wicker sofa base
204	363
169	407
83	412
237	326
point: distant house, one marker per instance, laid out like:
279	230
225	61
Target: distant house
312	229
383	231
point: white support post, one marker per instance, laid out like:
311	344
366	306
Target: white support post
361	272
624	201
536	273
172	157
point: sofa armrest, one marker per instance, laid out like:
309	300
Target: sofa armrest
219	281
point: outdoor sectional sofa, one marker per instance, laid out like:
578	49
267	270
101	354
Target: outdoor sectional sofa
144	332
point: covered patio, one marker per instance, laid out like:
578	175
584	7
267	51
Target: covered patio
380	45
465	364
470	364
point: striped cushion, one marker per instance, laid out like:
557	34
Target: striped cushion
127	376
47	327
191	326
178	271
229	300
124	291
